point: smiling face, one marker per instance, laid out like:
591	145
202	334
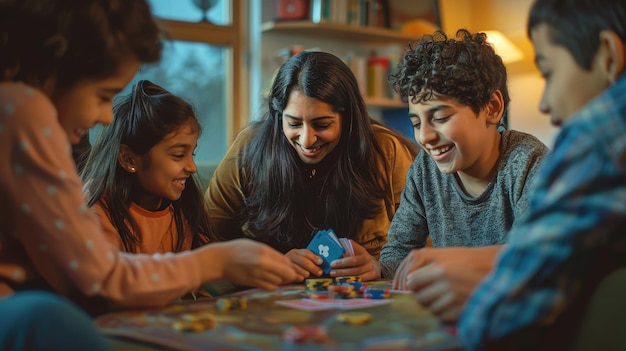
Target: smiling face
568	86
311	127
164	169
88	103
456	137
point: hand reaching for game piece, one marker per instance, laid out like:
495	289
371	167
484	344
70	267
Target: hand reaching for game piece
360	264
248	263
443	278
416	259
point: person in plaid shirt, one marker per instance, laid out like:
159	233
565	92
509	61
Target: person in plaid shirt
573	235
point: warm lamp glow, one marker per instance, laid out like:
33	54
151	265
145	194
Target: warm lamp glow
503	46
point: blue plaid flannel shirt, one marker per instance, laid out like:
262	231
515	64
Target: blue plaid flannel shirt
577	209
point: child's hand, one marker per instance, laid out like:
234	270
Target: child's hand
305	263
361	264
416	259
250	263
444	287
444	278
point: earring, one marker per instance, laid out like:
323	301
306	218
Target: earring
132	169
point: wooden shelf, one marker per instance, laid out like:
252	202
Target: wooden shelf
344	35
334	31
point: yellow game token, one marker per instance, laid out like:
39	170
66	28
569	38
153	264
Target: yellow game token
317	284
232	304
185	326
355	318
204	319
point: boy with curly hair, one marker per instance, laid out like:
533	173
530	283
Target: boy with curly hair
471	182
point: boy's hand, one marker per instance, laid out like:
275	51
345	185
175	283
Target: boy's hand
416	259
444	287
444	278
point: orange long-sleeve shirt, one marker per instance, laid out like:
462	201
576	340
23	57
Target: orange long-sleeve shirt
156	230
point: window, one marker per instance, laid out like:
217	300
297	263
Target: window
204	62
212	11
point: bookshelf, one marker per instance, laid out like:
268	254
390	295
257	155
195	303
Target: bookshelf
348	33
339	39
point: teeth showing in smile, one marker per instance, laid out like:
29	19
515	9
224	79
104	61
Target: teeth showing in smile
437	152
309	150
181	181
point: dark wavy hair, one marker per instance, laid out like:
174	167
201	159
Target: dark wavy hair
576	24
275	206
74	40
466	69
142	119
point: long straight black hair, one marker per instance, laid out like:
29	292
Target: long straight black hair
142	119
271	170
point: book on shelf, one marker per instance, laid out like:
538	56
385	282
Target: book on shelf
365	13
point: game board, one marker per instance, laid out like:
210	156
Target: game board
400	324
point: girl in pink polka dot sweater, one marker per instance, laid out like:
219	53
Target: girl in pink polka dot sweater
61	66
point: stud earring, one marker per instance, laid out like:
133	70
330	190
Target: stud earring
132	169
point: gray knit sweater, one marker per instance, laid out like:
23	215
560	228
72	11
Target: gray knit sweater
434	204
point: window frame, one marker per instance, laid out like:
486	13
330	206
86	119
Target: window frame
233	36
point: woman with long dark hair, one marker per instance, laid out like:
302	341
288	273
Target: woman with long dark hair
315	160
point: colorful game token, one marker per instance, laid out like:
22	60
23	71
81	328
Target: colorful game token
355	318
359	287
318	284
348	279
376	293
342	291
205	319
306	334
232	304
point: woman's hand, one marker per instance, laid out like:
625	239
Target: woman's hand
305	263
361	264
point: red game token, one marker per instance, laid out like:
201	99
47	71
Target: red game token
322	295
306	334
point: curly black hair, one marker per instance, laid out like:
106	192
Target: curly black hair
466	68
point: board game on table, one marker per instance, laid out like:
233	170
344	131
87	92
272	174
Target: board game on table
277	320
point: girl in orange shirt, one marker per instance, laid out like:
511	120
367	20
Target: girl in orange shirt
141	177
